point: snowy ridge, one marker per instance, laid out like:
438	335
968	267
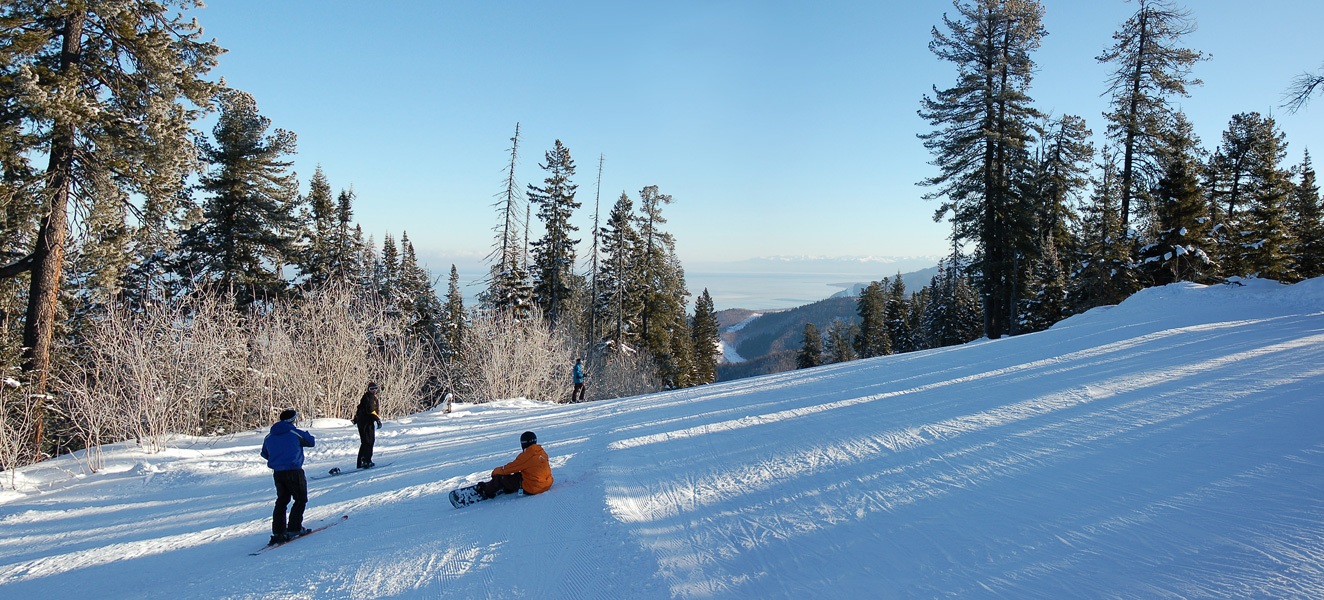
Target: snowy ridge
1166	447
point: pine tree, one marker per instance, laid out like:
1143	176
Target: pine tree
453	318
1307	223
707	342
1178	252
898	316
1151	67
317	260
811	349
246	232
984	126
1104	273
106	92
839	345
418	298
1063	174
386	275
554	253
347	262
874	339
620	282
508	288
919	308
1251	196
663	289
1048	302
953	313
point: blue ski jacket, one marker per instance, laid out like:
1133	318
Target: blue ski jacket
283	447
579	373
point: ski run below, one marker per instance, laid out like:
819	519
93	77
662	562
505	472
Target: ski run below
1168	447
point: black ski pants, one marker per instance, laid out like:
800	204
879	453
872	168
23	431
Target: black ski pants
289	485
367	438
501	484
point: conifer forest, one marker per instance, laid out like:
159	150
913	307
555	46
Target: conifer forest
160	277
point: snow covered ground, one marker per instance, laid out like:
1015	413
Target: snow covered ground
1168	447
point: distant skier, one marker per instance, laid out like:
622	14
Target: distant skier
365	416
578	394
530	471
283	449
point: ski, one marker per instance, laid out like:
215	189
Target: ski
336	471
342	519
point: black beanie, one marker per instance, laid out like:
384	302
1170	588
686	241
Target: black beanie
527	439
289	414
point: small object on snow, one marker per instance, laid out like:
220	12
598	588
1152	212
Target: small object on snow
337	471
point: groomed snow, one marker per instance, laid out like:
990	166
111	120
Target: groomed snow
1168	447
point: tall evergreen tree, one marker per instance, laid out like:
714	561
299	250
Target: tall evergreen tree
246	232
839	342
418	297
662	280
386	274
106	91
1047	303
1251	196
1063	171
554	253
508	287
898	316
454	318
983	125
620	278
1178	252
811	348
874	339
953	313
1307	223
707	341
1104	272
1150	68
318	251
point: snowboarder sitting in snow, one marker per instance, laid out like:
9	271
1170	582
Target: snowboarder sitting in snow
530	471
365	416
283	449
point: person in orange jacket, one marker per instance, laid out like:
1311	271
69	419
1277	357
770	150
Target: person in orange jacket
530	471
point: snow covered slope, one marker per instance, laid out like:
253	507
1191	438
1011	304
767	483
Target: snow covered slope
1170	446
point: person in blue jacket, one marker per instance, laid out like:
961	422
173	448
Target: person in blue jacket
578	394
283	449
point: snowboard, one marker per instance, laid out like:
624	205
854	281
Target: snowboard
336	471
469	495
465	496
342	519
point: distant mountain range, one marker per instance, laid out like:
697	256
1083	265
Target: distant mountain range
763	342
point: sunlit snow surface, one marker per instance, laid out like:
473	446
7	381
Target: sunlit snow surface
1169	447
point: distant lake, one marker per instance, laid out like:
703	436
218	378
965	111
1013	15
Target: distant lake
769	291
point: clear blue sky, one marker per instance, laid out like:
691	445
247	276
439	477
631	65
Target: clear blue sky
780	128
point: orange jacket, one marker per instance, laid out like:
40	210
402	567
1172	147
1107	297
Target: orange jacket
533	466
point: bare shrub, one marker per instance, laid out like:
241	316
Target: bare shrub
508	358
318	355
151	374
198	366
17	416
620	374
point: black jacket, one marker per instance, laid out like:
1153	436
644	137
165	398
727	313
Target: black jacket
367	411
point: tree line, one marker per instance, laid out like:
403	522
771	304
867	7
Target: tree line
158	280
1055	226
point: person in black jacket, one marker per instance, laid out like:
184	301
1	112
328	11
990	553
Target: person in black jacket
283	449
366	418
